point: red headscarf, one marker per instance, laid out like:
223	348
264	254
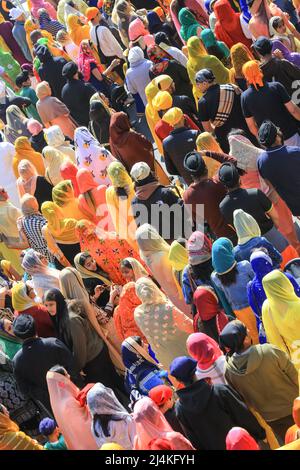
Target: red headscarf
69	171
85	180
203	349
207	305
160	444
160	394
240	439
81	397
228	26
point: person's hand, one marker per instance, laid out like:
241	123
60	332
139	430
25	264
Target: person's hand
114	294
115	63
277	53
99	290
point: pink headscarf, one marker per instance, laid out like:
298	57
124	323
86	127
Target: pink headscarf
85	60
203	349
69	171
240	439
151	424
34	126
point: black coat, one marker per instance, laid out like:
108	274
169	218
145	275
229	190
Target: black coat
76	95
51	70
32	363
208	412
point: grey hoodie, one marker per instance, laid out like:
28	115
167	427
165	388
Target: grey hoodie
266	379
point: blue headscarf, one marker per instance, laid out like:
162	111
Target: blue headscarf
140	373
222	256
49	25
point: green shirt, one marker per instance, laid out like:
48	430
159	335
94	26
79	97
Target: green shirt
58	445
28	92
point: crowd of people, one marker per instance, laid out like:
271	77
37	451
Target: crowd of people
149	225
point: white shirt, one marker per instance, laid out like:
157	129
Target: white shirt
109	45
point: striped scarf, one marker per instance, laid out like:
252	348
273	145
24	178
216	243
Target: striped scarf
227	94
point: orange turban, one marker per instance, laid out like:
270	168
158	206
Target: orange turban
253	74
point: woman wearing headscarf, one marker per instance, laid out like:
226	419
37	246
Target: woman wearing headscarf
163	63
118	198
100	116
93	277
55	138
124	313
46	23
110	420
70	411
7	36
64	40
240	439
283	30
132	270
199	59
178	257
60	235
92	156
127	145
152	115
92	199
210	318
214	47
262	374
23	301
63	196
106	248
77	30
43	277
50	69
16	124
280	51
232	278
37	138
52	111
7	176
165	327
72	287
239	55
206	141
79	7
154	251
24	151
189	24
29	182
142	372
279	314
36	5
228	27
31	26
11	67
9	214
11	438
53	159
151	424
210	359
139	34
125	13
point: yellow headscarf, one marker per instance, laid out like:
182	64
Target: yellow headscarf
253	74
152	115
138	269
163	82
162	101
151	91
61	228
43	90
20	299
25	151
86	274
13	439
77	32
206	141
63	196
29	27
173	116
178	256
280	291
239	54
53	160
119	176
245	225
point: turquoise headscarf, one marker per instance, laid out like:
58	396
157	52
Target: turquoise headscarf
209	40
222	256
189	24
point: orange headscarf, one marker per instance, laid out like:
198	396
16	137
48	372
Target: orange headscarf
25	151
253	74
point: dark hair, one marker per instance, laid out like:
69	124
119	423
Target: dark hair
177	5
104	420
216	51
126	264
121	192
277	22
202	271
90	285
59	370
162	37
137	339
228	278
35	36
83	257
61	320
182	242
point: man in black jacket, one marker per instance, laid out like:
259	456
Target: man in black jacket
180	142
36	357
208	412
76	94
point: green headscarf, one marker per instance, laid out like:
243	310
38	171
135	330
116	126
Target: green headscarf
11	66
209	40
189	24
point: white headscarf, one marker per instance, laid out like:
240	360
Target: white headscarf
7	176
43	277
16	124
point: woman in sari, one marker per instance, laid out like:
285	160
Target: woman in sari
280	51
154	251
63	196
280	314
53	159
110	420
24	151
165	327
11	438
124	313
60	235
55	138
70	411
118	198
132	270
91	273
283	30
92	199
92	156
239	55
106	248
228	27
31	183
52	111
16	124
77	30
151	424
152	115
142	372
43	277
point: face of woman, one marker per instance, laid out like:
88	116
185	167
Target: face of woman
281	29
85	48
128	274
51	307
90	264
30	292
8	327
